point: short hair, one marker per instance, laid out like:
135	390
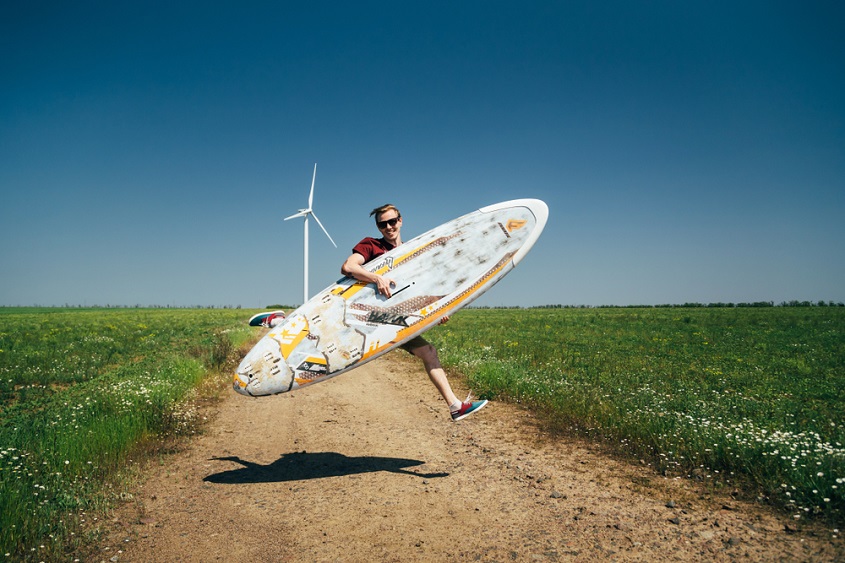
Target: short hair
384	209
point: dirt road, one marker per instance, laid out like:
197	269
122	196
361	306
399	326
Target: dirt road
368	467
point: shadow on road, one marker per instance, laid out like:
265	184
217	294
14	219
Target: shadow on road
299	466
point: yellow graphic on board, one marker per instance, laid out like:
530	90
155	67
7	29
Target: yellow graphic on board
372	348
347	292
310	370
291	335
317	361
515	224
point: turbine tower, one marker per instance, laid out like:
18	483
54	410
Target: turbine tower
305	213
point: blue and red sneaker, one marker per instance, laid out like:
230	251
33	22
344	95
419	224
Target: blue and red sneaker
268	319
467	408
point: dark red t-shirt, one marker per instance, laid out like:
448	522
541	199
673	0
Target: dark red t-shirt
371	248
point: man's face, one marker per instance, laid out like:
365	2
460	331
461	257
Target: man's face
389	224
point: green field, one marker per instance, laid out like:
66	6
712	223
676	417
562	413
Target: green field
743	397
80	391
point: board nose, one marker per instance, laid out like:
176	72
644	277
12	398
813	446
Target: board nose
239	383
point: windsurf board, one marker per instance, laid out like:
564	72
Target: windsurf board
350	323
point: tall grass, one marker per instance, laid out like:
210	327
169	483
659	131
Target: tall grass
79	391
751	397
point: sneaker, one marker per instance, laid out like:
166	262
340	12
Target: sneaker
268	319
467	408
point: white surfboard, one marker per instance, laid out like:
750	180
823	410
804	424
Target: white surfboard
350	323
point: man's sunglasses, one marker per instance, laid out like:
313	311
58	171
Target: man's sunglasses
391	222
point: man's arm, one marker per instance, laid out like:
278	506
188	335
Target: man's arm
354	268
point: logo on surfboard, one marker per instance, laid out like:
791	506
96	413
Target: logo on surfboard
515	224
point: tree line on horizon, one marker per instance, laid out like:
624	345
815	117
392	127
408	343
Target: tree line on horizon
690	305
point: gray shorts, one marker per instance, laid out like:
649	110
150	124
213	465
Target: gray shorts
414	343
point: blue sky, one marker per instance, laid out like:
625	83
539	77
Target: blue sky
688	151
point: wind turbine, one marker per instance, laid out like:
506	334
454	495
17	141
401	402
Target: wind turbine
305	213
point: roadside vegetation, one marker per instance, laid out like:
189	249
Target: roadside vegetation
83	391
750	398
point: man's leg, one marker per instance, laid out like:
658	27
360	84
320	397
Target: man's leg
428	354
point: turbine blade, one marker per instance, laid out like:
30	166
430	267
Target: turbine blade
302	213
322	227
311	195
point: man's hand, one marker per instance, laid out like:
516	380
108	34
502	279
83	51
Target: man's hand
384	284
354	268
